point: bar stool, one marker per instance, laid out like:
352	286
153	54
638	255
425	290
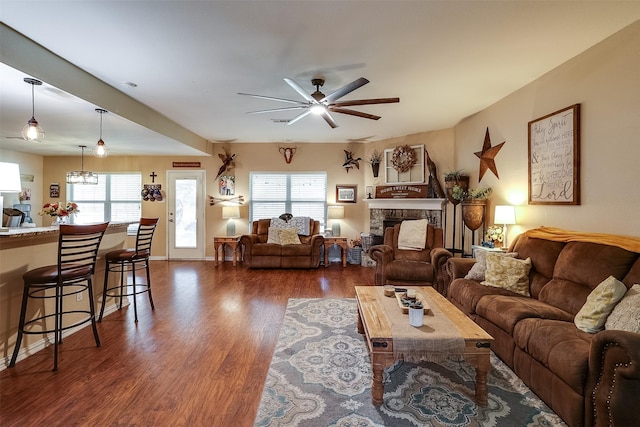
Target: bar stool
77	252
125	260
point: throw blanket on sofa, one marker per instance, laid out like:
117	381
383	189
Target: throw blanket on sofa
559	235
413	234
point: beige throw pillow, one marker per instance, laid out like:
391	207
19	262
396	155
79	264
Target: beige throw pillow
480	267
289	236
592	316
274	235
508	273
626	314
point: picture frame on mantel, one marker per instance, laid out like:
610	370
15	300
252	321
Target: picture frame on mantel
554	158
346	193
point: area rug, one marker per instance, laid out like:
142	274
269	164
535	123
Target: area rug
320	375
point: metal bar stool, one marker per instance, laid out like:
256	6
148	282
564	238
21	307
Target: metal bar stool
77	252
125	260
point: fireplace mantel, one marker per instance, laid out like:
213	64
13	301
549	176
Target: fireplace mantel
426	204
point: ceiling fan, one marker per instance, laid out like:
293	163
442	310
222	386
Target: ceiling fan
321	104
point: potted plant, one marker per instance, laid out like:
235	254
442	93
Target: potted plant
374	159
473	205
451	180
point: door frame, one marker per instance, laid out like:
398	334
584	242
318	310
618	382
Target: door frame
197	253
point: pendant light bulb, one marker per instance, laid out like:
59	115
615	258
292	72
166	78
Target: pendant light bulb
100	150
32	130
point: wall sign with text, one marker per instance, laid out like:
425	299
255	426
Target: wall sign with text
554	158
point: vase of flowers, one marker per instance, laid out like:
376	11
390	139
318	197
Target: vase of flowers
375	158
60	212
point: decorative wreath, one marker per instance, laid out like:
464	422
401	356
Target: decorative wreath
404	158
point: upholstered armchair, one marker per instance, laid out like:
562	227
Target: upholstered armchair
411	267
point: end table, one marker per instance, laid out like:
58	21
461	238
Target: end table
234	244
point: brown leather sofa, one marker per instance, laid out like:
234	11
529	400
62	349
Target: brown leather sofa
587	379
260	254
411	267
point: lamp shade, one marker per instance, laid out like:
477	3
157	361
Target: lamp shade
336	212
505	214
230	212
10	177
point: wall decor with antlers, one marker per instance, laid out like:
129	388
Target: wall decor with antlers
288	153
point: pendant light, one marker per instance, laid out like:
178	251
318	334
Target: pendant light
82	177
100	150
32	131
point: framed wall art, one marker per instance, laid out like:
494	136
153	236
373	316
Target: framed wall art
346	193
554	158
404	164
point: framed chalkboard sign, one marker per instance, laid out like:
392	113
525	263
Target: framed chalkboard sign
554	158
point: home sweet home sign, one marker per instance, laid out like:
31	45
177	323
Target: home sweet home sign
402	191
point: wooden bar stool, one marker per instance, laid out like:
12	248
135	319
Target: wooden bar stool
77	252
124	260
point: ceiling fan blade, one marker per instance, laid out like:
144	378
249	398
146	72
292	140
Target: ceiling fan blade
327	117
298	117
354	113
271	98
348	88
364	102
271	110
300	90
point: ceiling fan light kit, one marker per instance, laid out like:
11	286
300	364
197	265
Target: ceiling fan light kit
100	150
32	130
320	104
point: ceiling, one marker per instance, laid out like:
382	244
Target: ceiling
445	60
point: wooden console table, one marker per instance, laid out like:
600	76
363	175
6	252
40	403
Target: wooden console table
338	241
233	242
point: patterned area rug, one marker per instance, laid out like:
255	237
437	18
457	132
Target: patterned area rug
320	375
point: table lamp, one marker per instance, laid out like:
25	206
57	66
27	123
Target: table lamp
9	179
505	215
231	212
336	213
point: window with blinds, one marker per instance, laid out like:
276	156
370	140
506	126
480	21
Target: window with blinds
300	194
115	198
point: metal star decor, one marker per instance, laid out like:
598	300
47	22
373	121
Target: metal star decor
487	156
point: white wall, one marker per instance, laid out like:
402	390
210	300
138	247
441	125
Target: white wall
605	80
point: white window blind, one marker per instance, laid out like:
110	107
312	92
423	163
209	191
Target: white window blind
300	194
116	198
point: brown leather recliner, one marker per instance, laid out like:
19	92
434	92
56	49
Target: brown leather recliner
411	267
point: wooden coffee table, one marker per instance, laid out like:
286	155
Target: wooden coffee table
373	322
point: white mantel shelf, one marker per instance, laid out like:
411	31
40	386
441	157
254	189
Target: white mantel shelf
426	204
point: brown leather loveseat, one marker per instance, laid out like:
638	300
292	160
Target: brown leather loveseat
260	254
588	379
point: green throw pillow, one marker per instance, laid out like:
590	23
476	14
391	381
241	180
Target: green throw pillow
508	273
592	316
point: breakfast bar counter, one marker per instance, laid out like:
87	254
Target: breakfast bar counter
23	249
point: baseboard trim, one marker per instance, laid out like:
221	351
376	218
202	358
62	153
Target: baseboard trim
47	340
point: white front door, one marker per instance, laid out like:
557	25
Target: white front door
185	214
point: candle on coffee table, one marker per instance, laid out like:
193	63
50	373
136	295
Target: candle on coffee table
411	293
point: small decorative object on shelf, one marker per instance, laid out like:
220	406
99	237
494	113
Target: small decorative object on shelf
404	158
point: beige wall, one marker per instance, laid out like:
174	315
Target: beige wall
606	82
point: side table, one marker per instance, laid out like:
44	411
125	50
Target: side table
233	242
475	248
338	241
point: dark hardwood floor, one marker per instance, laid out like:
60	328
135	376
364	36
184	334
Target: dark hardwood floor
199	360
